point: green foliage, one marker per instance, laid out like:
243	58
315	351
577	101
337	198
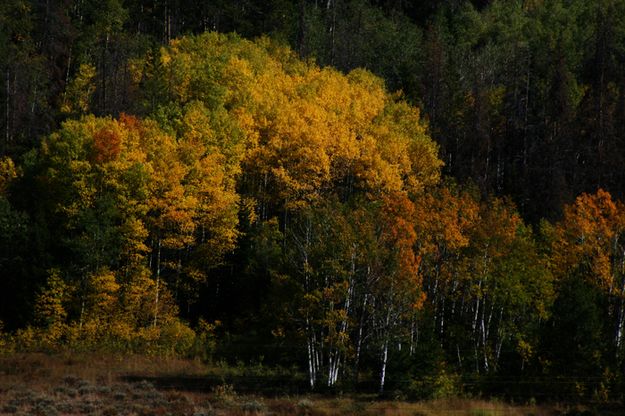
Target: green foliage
576	343
438	386
205	341
259	188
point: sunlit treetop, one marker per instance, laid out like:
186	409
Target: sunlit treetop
307	131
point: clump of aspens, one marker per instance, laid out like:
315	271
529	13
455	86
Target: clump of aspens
145	207
334	185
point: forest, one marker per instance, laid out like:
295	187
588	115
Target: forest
422	199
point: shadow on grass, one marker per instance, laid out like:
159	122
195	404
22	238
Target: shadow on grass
269	386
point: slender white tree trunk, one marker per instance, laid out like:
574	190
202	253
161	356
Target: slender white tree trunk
312	363
384	362
361	325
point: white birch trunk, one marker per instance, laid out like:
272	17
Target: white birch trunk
359	340
384	361
312	364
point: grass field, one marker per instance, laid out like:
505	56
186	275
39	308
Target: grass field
108	385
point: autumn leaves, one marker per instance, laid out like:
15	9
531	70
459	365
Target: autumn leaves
330	161
144	208
324	191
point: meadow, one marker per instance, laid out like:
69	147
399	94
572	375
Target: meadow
108	385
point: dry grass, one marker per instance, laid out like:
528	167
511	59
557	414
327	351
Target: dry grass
352	406
55	385
464	407
41	370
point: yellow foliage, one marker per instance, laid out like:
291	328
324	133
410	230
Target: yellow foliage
307	130
77	96
103	294
49	306
8	173
176	337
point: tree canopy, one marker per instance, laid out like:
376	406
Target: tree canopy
422	198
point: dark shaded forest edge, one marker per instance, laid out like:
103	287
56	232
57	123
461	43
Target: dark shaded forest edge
406	200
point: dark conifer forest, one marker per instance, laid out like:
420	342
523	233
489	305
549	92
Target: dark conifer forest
418	197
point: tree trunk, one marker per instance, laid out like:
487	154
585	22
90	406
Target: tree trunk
158	282
301	35
7	103
104	73
312	355
332	3
385	347
483	331
384	362
359	339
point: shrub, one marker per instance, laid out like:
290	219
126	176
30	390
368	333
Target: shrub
65	407
439	386
203	411
9	408
224	393
205	341
119	396
253	406
176	338
305	405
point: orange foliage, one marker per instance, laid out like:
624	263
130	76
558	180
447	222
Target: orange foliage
130	122
106	145
589	237
400	236
444	220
